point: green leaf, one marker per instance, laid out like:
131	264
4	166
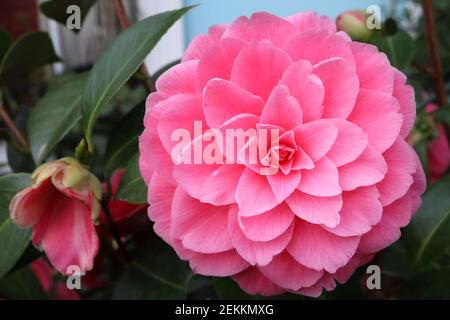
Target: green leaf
26	54
427	237
442	115
132	188
13	240
123	141
55	114
399	48
119	62
57	9
430	284
5	42
21	284
156	273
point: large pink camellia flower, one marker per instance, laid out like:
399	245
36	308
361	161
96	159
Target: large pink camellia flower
333	180
60	206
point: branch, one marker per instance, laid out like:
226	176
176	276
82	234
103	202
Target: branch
125	23
12	128
433	48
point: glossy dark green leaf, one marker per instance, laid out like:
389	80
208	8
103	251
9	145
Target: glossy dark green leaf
132	188
155	273
28	53
427	237
13	240
21	284
5	42
55	115
20	160
57	9
119	62
123	142
399	48
430	284
442	115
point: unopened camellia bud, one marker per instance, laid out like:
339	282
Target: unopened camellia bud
61	206
354	24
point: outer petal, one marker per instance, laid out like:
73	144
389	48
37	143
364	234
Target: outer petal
369	168
318	45
361	211
261	25
341	87
316	248
259	67
285	272
67	234
267	226
317	210
260	253
373	68
223	264
374	113
200	44
222	100
253	281
179	79
404	93
311	20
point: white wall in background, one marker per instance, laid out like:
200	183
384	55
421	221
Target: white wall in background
171	46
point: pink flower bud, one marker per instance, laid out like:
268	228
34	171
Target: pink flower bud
60	206
354	24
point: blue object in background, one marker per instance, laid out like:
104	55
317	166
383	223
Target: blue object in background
210	12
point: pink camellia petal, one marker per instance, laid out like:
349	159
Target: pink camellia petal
322	181
259	67
218	61
373	68
401	165
341	85
268	225
317	45
311	20
160	195
375	112
316	248
350	142
201	227
179	118
67	234
179	79
223	264
326	282
222	100
283	185
219	188
191	177
368	169
279	104
25	211
200	44
254	194
316	138
261	25
253	281
255	252
344	273
404	93
285	272
360	211
306	87
387	231
317	210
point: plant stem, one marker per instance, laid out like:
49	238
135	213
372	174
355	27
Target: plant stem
12	128
433	48
125	23
112	226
